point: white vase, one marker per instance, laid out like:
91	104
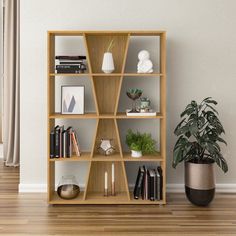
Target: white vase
108	63
136	154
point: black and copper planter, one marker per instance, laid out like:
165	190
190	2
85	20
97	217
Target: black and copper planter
199	183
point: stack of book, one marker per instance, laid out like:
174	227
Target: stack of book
70	64
63	142
149	184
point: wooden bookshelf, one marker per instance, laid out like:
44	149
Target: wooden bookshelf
105	87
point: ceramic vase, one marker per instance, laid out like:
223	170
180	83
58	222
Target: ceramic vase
108	63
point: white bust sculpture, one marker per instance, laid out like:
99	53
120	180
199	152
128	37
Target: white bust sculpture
145	64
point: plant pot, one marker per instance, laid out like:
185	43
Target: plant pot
108	63
199	183
136	154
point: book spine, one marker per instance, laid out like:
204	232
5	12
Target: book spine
70	57
75	67
75	144
57	143
72	71
52	144
136	194
70	62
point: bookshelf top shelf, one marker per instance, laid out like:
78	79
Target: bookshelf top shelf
109	75
81	33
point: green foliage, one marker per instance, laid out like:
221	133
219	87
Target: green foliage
199	135
140	142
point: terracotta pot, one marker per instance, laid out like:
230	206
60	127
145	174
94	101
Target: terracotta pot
199	183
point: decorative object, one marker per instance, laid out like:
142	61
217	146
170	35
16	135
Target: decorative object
113	179
140	144
106	147
72	99
145	104
149	113
134	94
145	64
199	134
108	63
106	185
68	187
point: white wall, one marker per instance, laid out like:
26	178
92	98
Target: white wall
201	62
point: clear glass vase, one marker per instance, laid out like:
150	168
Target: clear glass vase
68	187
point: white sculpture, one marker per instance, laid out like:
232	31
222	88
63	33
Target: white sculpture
145	64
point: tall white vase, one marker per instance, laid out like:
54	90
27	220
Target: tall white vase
108	63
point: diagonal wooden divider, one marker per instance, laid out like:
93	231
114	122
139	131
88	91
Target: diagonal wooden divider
106	93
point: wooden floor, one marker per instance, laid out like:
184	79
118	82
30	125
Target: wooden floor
29	214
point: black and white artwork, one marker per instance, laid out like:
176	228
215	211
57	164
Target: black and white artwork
72	99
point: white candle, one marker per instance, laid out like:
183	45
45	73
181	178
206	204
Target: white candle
106	180
112	173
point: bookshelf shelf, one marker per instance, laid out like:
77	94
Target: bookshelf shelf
85	156
68	116
157	157
107	75
106	90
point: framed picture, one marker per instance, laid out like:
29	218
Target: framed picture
72	99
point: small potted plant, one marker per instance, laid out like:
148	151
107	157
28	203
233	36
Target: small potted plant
199	135
140	144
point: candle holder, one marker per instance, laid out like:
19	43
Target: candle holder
105	192
113	189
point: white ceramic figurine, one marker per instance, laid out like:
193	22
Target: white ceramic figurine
145	64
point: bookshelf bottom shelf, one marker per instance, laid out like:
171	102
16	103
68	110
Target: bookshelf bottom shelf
98	198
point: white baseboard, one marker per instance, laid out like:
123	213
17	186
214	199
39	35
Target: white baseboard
220	188
1	151
170	188
32	188
36	188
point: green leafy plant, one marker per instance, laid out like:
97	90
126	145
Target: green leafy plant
140	142
199	135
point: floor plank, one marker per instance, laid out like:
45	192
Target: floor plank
29	214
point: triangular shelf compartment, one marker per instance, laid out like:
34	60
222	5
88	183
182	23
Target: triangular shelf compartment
96	183
98	45
107	92
107	129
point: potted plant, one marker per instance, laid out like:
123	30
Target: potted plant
140	144
199	134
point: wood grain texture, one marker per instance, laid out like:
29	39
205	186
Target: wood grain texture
106	91
29	214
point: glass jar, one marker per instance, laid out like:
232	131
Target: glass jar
68	187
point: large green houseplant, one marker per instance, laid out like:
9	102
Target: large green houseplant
199	135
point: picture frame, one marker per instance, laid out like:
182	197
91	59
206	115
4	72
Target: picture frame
72	99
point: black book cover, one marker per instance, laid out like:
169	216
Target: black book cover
151	184
70	57
57	141
52	144
64	143
69	142
159	169
70	71
143	183
61	128
139	183
74	67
